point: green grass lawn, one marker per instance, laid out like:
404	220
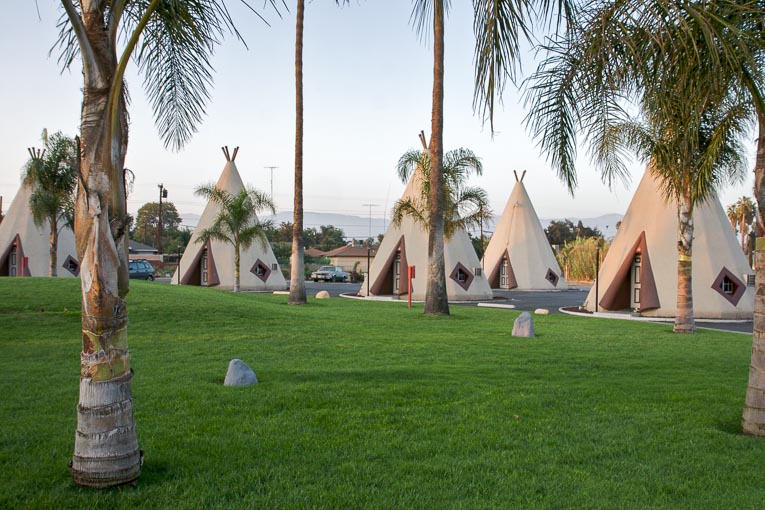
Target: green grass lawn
372	405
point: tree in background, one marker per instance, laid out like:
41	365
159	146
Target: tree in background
561	232
51	174
464	207
741	215
177	241
171	41
237	222
328	238
145	225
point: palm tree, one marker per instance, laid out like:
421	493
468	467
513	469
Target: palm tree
51	173
498	26
237	221
732	215
297	258
464	207
745	210
657	55
171	42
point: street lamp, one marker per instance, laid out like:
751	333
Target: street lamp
369	243
162	194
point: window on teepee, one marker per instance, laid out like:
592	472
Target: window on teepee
261	270
729	287
72	266
462	275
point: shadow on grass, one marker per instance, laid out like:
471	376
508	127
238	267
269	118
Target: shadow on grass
155	472
730	426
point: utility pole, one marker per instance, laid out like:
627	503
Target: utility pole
162	194
272	168
370	216
369	243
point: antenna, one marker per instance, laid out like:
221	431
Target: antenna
272	168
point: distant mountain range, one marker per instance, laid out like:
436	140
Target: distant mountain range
358	227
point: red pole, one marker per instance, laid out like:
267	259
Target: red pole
410	277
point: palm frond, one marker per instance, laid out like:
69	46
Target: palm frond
498	26
409	162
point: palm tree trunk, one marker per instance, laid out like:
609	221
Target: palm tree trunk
236	267
106	451
753	420
684	322
436	301
743	230
297	270
53	255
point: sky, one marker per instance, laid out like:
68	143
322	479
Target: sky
367	94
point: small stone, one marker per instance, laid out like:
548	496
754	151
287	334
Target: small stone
239	374
322	294
542	311
523	326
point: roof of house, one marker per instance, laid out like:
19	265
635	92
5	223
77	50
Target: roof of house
136	247
314	252
349	251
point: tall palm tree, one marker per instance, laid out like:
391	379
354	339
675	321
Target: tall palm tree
499	26
297	258
732	215
465	206
237	221
744	209
51	173
674	61
171	41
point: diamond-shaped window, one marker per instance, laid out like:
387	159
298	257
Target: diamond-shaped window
72	265
729	286
462	275
261	270
552	277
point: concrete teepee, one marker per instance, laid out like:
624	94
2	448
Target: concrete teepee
407	245
518	255
212	264
640	269
25	247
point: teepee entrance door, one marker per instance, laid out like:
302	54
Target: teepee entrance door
205	266
13	262
397	274
504	281
635	283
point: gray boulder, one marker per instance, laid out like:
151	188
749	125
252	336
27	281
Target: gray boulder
239	374
523	326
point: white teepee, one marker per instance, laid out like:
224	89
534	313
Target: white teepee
25	247
640	269
212	263
407	245
518	255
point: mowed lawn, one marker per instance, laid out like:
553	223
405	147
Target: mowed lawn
372	405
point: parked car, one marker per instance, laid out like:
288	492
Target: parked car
329	274
141	270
